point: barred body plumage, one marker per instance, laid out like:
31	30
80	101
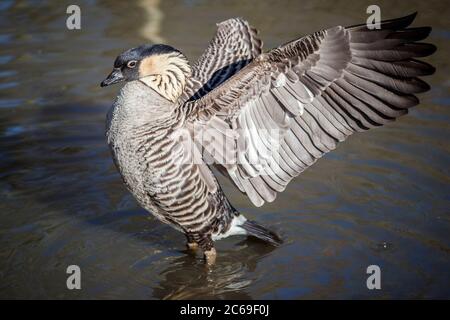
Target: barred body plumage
152	160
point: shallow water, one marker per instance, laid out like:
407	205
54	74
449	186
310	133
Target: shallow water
381	198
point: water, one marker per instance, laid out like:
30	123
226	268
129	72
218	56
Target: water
381	198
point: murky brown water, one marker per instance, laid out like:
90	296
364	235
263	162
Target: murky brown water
381	198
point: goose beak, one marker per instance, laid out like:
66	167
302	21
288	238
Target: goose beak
114	77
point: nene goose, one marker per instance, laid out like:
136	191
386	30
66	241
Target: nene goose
259	118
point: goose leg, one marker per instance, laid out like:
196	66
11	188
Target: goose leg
210	256
191	242
207	245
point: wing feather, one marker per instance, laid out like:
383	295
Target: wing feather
234	45
290	106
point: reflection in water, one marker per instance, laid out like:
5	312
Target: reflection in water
380	198
189	278
151	29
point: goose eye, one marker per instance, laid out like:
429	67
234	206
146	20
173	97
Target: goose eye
131	64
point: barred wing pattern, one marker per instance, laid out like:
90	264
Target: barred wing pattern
313	93
234	45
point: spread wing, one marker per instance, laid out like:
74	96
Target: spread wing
290	106
234	45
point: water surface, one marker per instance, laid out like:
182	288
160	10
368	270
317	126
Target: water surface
381	198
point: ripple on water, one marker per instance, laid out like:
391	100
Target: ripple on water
11	103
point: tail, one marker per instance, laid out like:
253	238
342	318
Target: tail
258	231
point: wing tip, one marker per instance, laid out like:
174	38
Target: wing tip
401	22
396	23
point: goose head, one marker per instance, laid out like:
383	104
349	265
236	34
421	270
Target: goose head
161	67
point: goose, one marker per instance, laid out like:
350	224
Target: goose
259	118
